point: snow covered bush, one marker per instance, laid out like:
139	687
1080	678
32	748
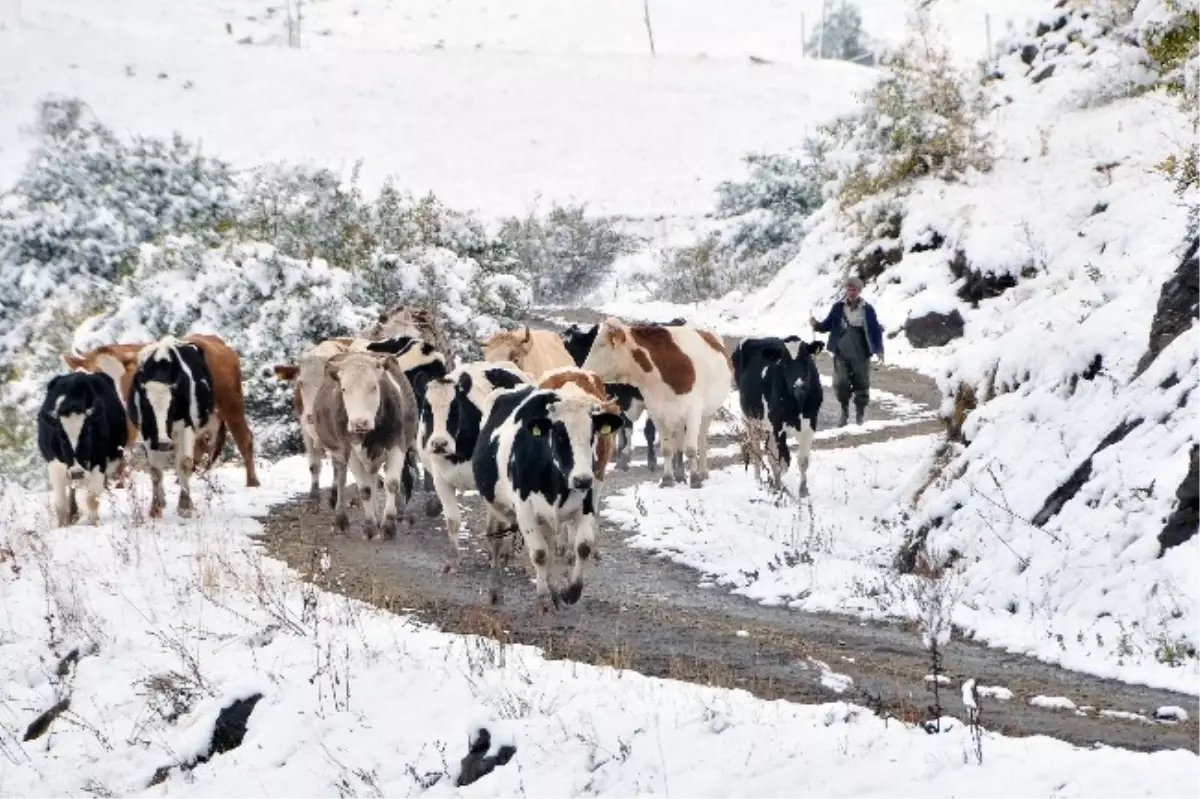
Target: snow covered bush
924	117
564	254
104	240
840	35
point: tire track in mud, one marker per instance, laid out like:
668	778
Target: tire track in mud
643	612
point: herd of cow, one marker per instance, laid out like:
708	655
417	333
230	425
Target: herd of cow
531	428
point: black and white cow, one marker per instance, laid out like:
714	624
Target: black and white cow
171	404
578	340
421	362
82	435
450	420
533	468
780	391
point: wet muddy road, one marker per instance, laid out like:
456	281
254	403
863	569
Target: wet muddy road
642	612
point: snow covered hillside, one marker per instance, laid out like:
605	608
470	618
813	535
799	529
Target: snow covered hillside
1031	289
142	632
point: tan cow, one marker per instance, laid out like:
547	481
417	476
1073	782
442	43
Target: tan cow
684	374
120	361
307	375
366	417
536	352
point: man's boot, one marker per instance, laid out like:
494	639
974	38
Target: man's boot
845	414
859	412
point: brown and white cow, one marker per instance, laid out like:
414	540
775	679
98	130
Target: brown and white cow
534	351
307	375
573	381
120	361
365	416
684	374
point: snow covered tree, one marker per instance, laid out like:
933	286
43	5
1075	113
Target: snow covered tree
841	37
564	254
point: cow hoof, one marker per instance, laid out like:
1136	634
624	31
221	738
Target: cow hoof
652	466
549	604
332	498
494	596
804	490
573	592
370	529
389	528
695	481
667	481
433	506
184	511
252	482
314	495
341	522
156	511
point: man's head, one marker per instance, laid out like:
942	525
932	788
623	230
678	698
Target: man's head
854	287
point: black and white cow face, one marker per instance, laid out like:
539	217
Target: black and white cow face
797	373
82	423
449	420
171	388
418	359
578	340
561	430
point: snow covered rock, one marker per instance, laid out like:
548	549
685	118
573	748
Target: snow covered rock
934	329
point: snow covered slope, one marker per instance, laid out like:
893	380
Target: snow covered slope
487	130
172	621
1052	503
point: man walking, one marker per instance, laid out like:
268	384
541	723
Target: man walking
854	336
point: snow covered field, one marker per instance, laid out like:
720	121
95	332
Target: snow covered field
175	620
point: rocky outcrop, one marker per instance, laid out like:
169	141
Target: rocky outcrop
1182	523
934	329
1178	304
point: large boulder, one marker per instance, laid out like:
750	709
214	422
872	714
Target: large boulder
934	329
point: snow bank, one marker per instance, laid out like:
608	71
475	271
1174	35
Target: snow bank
181	618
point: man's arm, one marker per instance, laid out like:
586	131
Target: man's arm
827	324
874	331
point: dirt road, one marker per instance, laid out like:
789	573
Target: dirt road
645	613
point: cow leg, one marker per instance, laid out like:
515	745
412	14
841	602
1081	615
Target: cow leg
497	534
94	483
408	482
804	441
365	480
691	447
777	455
445	493
158	496
315	454
755	433
185	464
542	556
585	541
670	443
245	444
702	445
60	490
651	434
341	522
395	472
623	446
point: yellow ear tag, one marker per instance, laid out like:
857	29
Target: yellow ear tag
536	430
606	429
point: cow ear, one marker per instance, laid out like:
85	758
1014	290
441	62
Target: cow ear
286	371
331	371
606	423
74	361
815	346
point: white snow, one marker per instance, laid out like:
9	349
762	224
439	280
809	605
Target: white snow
191	608
1171	713
996	692
1053	702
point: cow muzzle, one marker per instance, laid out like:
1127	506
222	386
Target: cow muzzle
359	427
441	446
582	482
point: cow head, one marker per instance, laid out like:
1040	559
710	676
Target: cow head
163	387
118	361
615	356
578	341
509	345
73	406
307	375
565	428
360	377
793	357
443	413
